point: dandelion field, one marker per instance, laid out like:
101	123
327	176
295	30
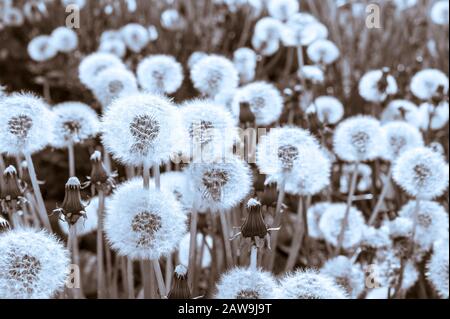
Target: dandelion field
224	149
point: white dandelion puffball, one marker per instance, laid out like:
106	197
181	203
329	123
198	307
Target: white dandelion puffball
34	265
219	185
402	110
143	223
25	125
312	73
400	227
152	33
135	36
109	35
437	268
404	4
75	122
309	284
400	137
439	15
331	224
425	83
183	249
313	216
113	83
364	175
347	274
323	52
178	184
310	173
431	222
41	48
282	9
12	16
245	61
226	99
264	100
64	39
78	3
141	129
302	29
195	57
378	293
172	20
439	115
421	173
209	128
214	74
113	46
358	138
386	270
160	74
279	149
265	47
85	226
375	87
329	110
91	66
268	29
245	283
376	238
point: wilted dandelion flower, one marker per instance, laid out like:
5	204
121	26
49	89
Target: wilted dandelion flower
210	130
91	66
113	83
421	173
245	283
331	224
279	149
424	84
214	74
313	216
431	222
74	122
358	138
41	48
140	128
402	110
64	39
180	287
183	249
25	125
310	173
282	9
375	86
172	20
34	265
329	110
143	223
323	52
160	74
347	274
195	57
309	284
437	268
219	185
135	36
11	193
264	100
400	137
113	46
437	114
439	15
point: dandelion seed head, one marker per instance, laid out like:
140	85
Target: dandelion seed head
312	73
34	264
331	222
160	74
12	16
421	173
79	3
113	46
195	57
282	9
323	52
41	48
268	29
439	15
226	99
309	284
141	128
439	115
264	99
178	185
74	122
346	274
25	125
214	74
91	66
64	39
329	110
245	283
437	268
402	110
400	137
358	138
377	238
172	20
183	249
313	216
245	60
424	84
265	47
135	36
302	29
375	86
143	223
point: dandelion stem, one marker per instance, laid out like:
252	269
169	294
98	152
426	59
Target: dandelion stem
254	257
147	279
159	279
73	247
340	238
71	150
297	237
146	175
169	273
37	192
157	176
301	63
192	246
276	223
130	279
100	264
377	208
226	238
